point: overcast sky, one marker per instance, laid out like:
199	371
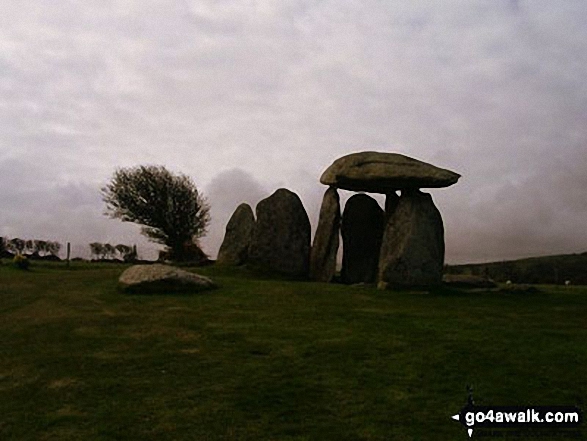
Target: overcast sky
248	96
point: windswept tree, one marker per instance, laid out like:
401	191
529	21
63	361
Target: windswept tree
127	253
40	247
123	249
168	206
53	248
97	249
109	251
17	245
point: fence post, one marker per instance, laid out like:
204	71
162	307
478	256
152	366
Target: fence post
68	252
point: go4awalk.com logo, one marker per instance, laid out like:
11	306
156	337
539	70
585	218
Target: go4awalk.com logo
544	418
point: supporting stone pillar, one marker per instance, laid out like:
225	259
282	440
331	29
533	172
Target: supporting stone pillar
412	251
391	201
326	241
363	222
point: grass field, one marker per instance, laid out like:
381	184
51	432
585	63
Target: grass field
273	360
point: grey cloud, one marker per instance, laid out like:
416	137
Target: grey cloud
542	213
493	90
225	192
68	213
37	206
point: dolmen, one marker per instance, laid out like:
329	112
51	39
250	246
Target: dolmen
401	246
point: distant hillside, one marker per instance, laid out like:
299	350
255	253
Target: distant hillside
546	269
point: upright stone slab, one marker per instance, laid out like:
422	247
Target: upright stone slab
325	245
237	239
281	237
391	201
412	252
363	222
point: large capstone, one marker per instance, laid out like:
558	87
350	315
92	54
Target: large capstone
378	172
363	222
326	241
237	239
412	252
157	278
281	237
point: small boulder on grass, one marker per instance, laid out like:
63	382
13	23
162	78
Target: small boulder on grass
519	289
162	279
467	281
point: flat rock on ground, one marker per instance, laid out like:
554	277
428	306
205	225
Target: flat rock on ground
467	281
161	279
378	172
515	288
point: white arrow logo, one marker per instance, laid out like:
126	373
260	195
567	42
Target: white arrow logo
458	418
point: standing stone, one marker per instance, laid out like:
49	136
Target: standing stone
363	222
325	246
391	201
281	237
412	252
237	239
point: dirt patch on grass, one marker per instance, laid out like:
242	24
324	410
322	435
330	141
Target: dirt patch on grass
42	311
89	331
105	355
68	411
190	351
63	383
179	308
17	377
178	334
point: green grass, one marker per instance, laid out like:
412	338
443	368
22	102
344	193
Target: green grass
262	359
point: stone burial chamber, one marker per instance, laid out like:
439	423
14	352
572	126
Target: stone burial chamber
401	246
